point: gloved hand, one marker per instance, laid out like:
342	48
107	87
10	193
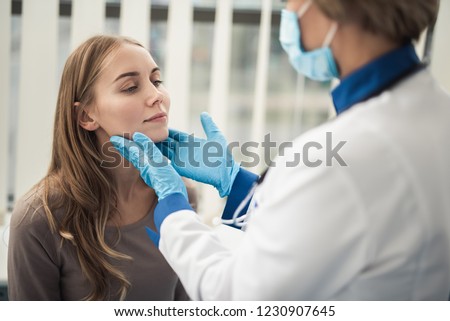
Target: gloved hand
154	168
204	160
157	173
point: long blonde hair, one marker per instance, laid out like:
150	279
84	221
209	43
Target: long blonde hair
75	180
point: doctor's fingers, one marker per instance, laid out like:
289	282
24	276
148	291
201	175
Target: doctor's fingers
130	150
148	150
209	126
168	147
124	146
179	136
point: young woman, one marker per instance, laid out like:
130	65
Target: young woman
79	233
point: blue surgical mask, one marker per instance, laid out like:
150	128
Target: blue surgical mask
318	64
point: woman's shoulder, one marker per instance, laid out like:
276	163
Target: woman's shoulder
28	216
30	209
31	233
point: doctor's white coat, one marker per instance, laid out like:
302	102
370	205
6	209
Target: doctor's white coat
375	229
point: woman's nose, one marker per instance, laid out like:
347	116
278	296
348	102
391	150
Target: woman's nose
154	96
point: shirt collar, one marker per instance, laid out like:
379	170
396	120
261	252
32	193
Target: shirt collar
375	77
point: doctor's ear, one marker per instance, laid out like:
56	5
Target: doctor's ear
84	119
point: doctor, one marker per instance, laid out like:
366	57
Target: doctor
375	226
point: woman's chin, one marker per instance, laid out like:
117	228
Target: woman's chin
157	136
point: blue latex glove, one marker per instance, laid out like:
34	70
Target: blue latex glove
157	173
203	160
154	168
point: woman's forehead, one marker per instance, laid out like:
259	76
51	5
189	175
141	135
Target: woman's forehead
129	57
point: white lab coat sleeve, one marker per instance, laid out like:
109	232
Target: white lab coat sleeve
305	241
196	255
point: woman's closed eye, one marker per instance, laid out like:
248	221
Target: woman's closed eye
157	83
130	89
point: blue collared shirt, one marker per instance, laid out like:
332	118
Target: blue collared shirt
375	77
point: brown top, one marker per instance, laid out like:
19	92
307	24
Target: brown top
40	267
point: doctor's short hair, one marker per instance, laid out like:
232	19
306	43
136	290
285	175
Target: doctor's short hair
398	20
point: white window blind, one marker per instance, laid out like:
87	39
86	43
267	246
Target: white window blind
88	19
37	91
177	69
5	59
135	20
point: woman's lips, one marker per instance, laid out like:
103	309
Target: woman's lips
157	118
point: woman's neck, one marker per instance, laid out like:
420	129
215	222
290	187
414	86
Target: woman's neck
135	199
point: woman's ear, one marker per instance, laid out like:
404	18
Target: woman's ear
85	120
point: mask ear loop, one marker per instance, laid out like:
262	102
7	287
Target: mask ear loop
333	29
330	35
304	8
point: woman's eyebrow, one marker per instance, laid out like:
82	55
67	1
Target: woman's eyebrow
127	74
134	74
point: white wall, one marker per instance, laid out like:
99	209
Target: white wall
5	59
440	61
